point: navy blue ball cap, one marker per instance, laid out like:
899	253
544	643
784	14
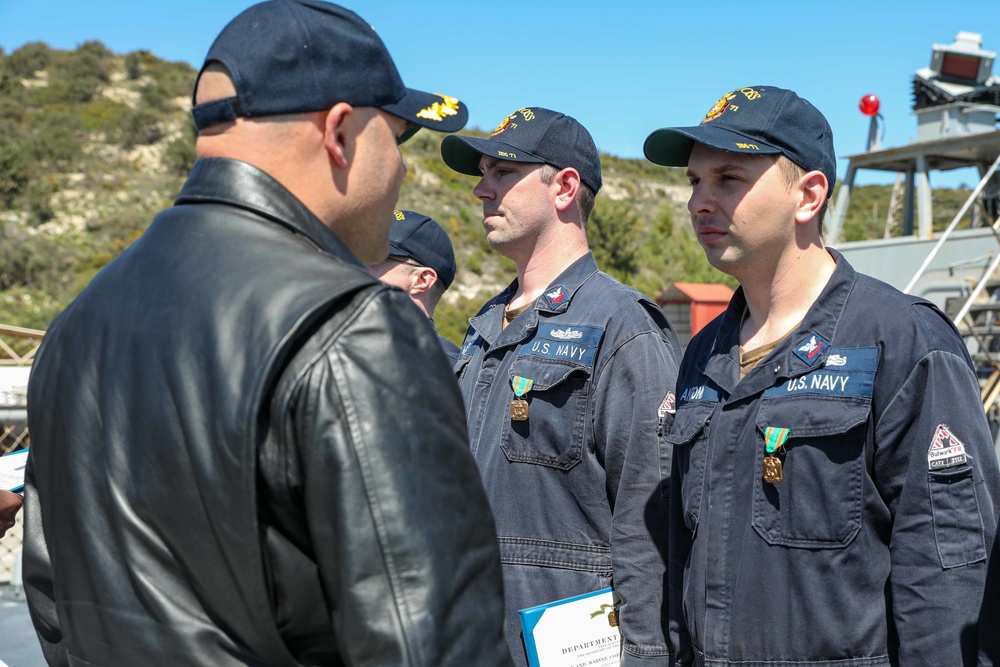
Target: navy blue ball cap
757	120
530	135
296	56
419	237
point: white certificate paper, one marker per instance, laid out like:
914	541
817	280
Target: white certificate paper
575	632
12	470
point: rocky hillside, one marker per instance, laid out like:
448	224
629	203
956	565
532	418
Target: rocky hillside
93	144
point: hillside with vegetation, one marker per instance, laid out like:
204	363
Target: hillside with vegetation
93	144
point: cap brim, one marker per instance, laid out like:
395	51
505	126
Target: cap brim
464	153
671	146
435	112
397	251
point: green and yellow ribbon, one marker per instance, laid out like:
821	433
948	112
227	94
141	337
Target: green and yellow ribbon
605	608
774	438
521	385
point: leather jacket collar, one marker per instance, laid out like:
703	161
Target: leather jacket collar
239	184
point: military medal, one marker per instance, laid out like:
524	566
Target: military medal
519	406
772	469
610	610
774	438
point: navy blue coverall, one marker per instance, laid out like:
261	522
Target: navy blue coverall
577	488
872	549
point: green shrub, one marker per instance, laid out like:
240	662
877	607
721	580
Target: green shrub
80	75
14	173
56	139
37	198
138	127
179	156
101	115
30	308
176	77
613	232
158	97
30	58
135	64
474	264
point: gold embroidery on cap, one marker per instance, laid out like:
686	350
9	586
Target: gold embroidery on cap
398	215
508	122
719	107
439	110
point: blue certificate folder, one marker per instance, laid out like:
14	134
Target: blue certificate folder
586	630
12	470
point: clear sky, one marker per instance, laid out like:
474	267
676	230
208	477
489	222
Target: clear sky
621	68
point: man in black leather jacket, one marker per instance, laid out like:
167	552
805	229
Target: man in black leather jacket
247	450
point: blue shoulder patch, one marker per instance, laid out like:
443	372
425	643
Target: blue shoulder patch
565	341
849	371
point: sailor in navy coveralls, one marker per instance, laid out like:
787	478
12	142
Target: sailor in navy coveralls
834	481
568	378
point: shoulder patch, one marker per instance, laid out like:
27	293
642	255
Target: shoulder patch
668	406
946	450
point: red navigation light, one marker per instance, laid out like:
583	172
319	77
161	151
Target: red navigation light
869	105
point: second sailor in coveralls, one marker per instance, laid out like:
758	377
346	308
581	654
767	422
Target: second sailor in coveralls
568	378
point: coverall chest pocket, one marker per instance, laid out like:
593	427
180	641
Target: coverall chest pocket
689	437
553	433
818	502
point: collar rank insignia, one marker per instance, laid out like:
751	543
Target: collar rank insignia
811	349
556	296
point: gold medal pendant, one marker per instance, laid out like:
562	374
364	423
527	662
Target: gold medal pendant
519	410
774	439
519	406
772	469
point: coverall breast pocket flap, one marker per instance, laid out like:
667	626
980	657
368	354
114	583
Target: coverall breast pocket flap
551	432
818	501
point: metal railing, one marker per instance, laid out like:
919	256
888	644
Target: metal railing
17	348
954	223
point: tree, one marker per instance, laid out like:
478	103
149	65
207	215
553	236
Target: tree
30	58
613	234
83	73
